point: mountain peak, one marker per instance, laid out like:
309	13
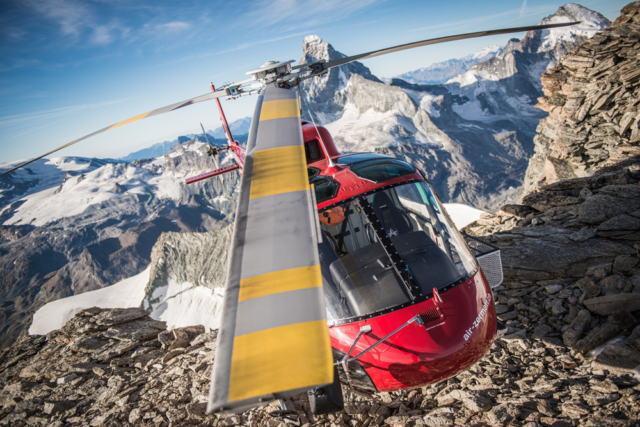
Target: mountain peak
315	49
591	22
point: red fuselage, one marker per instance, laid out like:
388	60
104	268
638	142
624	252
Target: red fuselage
417	355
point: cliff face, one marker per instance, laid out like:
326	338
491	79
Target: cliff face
571	250
592	99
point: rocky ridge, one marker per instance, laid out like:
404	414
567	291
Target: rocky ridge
592	98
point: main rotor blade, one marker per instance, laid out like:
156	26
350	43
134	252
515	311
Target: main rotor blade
151	113
348	59
273	340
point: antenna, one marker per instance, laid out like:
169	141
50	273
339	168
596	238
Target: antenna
326	153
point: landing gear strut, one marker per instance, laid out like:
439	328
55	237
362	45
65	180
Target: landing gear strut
327	399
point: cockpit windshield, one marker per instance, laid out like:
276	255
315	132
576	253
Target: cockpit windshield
359	276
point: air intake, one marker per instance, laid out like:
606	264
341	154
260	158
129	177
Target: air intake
431	315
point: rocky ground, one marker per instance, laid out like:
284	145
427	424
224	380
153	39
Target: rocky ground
118	367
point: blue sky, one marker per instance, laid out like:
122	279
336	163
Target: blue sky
68	67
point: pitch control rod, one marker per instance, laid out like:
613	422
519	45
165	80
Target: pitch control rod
364	330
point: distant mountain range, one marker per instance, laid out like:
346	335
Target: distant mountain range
440	72
239	130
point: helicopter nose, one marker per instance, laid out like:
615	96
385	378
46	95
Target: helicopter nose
456	332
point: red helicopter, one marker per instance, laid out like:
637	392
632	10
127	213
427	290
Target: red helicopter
344	267
388	251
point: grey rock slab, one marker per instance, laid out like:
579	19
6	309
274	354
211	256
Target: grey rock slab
553	289
575	408
501	309
633	340
540	331
624	263
173	353
601	207
597	336
618	355
66	379
604	386
600	399
508	316
557	257
625	191
613	284
576	328
583	235
610	304
89	343
116	349
143	329
503	414
118	315
620	222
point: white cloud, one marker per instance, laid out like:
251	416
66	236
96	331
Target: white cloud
522	8
308	12
74	18
175	26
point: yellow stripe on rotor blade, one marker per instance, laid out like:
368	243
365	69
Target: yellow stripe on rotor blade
131	120
280	109
280	281
279	359
279	170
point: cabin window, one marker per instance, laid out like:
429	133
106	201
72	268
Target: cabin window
350	159
312	172
312	151
326	188
358	276
381	170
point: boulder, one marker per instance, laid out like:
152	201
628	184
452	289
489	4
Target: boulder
577	328
613	285
609	304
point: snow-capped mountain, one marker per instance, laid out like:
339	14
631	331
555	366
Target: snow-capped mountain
440	72
473	135
238	128
72	225
508	85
